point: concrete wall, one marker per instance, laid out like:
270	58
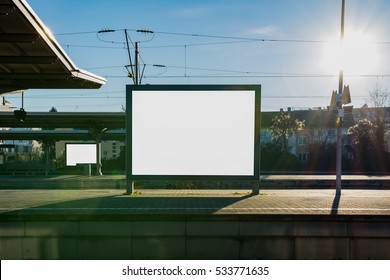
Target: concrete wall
195	237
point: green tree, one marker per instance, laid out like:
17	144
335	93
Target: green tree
283	126
275	159
370	155
363	133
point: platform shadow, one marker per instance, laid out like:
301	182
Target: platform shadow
135	204
335	204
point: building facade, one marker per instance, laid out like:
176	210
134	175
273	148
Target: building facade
320	127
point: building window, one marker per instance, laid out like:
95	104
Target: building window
302	140
303	157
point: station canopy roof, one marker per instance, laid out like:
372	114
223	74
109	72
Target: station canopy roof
76	120
31	58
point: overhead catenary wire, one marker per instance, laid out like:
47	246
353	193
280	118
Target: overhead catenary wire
245	73
265	76
214	36
123	97
121	94
224	73
233	40
206	72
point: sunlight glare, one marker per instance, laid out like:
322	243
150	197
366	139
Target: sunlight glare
357	55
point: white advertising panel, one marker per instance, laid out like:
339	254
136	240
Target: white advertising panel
80	154
193	132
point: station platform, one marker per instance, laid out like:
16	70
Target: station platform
190	202
103	223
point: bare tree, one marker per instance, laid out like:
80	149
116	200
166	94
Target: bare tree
379	99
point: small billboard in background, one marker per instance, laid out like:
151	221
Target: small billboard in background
189	132
80	153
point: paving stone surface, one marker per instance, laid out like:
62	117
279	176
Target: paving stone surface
162	201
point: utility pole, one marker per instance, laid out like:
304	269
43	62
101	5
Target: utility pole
136	81
340	111
133	69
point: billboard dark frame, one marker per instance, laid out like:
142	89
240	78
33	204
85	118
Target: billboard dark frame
129	132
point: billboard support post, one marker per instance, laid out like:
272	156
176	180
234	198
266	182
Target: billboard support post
256	188
98	155
129	143
129	186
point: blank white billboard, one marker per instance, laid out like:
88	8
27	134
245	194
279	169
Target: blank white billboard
193	132
80	154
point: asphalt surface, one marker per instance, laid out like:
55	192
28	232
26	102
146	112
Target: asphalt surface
161	201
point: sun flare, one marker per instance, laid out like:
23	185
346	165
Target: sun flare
356	55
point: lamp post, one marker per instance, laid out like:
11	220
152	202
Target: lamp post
340	111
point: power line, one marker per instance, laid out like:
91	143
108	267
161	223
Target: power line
92	46
263	97
106	31
75	33
104	67
250	74
76	97
265	76
246	74
200	44
214	36
241	38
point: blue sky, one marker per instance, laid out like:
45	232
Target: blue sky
211	42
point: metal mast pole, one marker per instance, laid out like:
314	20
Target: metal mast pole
129	54
136	64
340	111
